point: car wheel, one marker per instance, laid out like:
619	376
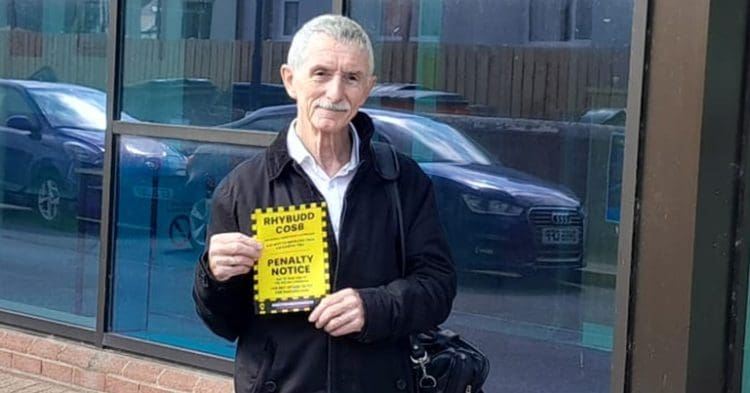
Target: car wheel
200	215
49	204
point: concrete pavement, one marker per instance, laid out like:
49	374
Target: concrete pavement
18	383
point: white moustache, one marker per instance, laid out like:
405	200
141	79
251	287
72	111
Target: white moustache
343	107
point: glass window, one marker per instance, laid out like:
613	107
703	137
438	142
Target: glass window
430	18
193	63
52	122
291	17
196	22
24	14
164	191
560	20
90	16
548	20
394	22
207	63
524	144
583	19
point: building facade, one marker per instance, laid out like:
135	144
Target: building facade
597	252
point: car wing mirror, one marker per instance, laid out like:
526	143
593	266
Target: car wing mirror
21	123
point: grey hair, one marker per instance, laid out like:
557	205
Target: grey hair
338	27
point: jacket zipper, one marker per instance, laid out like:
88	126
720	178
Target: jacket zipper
335	281
316	192
356	177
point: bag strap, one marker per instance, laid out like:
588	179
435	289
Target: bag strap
386	164
386	161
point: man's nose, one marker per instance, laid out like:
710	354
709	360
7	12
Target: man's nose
335	89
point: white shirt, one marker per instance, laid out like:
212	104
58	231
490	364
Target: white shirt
333	188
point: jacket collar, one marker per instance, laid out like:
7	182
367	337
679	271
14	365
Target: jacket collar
277	154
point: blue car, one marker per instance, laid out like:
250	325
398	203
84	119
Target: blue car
52	152
497	219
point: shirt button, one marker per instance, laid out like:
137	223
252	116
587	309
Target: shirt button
400	384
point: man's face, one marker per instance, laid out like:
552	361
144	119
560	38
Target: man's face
330	85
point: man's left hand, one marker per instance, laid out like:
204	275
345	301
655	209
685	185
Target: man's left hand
339	313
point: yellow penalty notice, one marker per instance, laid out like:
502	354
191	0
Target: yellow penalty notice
292	273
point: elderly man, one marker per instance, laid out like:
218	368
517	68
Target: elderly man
355	339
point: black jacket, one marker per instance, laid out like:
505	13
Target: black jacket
284	352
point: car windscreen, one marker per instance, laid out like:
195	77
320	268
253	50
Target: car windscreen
75	108
426	140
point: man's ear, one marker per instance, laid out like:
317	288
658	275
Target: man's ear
287	74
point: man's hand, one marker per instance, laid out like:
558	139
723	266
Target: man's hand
231	254
339	313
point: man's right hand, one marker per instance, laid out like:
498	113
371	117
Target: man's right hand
231	254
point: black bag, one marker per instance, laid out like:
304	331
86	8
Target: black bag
446	363
443	361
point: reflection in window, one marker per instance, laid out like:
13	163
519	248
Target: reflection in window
86	109
535	238
426	140
409	20
291	17
583	20
50	192
70	16
52	122
207	63
549	20
430	18
67	39
397	19
454	61
88	16
26	14
560	20
149	20
164	191
14	103
196	22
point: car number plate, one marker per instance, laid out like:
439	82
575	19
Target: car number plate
561	236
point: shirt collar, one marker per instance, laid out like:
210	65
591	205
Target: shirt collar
299	153
277	153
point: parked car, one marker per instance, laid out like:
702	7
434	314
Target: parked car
247	96
496	218
175	101
52	152
604	116
412	96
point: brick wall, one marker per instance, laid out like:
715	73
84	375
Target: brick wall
103	370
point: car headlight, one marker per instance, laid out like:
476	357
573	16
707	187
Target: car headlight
81	152
481	205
